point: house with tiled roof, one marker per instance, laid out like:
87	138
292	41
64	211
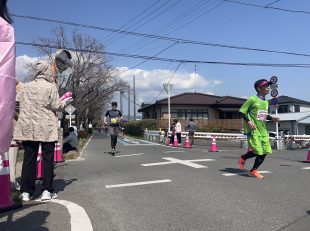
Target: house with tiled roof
194	105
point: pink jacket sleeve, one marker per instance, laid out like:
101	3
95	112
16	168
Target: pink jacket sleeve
7	84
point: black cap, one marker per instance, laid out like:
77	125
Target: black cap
114	104
261	82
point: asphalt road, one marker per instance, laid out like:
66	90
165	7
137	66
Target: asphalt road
184	190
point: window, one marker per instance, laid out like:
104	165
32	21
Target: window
284	109
197	114
296	108
187	114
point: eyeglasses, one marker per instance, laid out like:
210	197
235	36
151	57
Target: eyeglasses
264	87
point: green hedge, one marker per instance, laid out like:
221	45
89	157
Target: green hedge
137	128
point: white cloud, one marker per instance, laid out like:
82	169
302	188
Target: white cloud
21	63
149	83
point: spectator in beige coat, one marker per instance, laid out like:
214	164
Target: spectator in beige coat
39	100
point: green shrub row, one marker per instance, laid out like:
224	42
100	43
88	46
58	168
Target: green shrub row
137	128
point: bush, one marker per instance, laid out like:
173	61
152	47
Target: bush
82	134
137	128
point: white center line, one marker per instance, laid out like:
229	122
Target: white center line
173	151
138	154
139	183
306	168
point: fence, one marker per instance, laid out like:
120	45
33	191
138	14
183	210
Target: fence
214	125
289	140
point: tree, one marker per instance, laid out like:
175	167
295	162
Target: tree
92	81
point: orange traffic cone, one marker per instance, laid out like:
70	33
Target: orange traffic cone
58	154
187	143
6	202
308	157
213	145
39	164
175	141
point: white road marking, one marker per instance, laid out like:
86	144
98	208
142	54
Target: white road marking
138	154
135	142
79	219
173	151
243	173
306	168
85	145
190	163
139	183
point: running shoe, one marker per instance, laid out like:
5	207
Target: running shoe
113	152
241	163
46	196
25	196
256	174
54	195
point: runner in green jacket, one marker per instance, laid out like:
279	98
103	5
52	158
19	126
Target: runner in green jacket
255	113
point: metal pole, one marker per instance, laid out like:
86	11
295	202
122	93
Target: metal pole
195	78
134	98
128	103
169	114
121	100
277	130
70	122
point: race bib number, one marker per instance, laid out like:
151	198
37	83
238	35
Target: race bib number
262	115
114	120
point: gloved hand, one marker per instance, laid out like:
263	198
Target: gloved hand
252	125
66	96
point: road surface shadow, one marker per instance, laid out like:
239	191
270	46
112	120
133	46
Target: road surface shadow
235	171
230	157
304	162
33	221
59	186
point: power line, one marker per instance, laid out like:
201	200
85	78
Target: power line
180	18
157	15
161	51
179	40
136	17
162	91
273	3
158	53
154	58
268	7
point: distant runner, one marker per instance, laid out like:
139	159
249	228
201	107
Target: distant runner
255	113
113	119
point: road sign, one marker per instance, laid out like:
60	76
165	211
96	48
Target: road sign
274	79
274	101
70	109
274	93
274	86
70	116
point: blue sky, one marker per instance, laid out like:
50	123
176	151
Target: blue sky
228	23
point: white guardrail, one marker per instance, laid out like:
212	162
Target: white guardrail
159	136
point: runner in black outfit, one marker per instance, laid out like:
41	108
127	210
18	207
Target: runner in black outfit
112	119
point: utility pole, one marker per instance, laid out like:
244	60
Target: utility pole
121	100
134	98
195	78
128	103
167	87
